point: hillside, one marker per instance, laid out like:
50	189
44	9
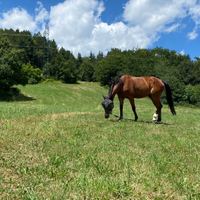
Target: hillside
56	144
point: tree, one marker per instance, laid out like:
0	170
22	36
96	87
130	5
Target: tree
66	54
39	53
53	51
79	62
100	56
92	58
108	68
68	72
86	70
11	70
63	67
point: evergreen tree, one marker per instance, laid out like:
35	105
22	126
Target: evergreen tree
100	56
86	70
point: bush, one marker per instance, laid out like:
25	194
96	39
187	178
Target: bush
33	75
190	95
49	80
193	94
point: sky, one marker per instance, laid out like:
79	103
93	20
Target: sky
84	26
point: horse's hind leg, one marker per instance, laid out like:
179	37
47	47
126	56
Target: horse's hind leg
158	105
158	111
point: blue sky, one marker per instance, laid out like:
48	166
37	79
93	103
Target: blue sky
93	25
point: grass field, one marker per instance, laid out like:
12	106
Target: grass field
56	144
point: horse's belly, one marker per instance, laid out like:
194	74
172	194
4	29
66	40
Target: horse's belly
141	93
140	96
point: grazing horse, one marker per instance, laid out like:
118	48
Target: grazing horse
131	87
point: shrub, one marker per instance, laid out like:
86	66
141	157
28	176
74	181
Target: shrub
34	75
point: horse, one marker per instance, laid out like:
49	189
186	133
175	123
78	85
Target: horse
130	87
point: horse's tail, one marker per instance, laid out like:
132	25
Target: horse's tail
169	98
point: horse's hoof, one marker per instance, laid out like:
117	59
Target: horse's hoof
155	122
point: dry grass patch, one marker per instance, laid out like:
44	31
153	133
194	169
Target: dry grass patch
64	115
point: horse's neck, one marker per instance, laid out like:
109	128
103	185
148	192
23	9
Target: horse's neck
116	89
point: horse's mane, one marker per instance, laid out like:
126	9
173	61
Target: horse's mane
117	80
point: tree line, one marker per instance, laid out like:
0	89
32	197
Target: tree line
22	62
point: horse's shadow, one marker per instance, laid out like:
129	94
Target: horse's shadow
140	121
22	97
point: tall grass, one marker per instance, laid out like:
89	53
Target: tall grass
56	144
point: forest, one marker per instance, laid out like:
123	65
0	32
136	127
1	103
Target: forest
22	62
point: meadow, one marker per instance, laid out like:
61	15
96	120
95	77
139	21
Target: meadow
56	144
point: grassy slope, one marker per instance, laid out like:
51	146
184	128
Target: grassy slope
60	146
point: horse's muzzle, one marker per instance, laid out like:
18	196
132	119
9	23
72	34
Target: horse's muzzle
106	115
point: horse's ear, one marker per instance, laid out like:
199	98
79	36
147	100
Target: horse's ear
103	96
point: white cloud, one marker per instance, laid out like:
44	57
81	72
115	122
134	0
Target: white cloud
77	24
182	52
18	18
74	20
193	35
172	28
41	13
155	15
194	11
120	36
41	17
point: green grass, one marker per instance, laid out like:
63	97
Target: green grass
56	144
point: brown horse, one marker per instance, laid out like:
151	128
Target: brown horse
131	87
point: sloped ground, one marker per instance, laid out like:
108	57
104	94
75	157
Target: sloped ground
56	144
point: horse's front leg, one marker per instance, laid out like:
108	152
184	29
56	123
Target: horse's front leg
121	103
133	107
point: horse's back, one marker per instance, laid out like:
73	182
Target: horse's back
135	86
140	87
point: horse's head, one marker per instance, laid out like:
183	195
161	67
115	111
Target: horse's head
107	105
